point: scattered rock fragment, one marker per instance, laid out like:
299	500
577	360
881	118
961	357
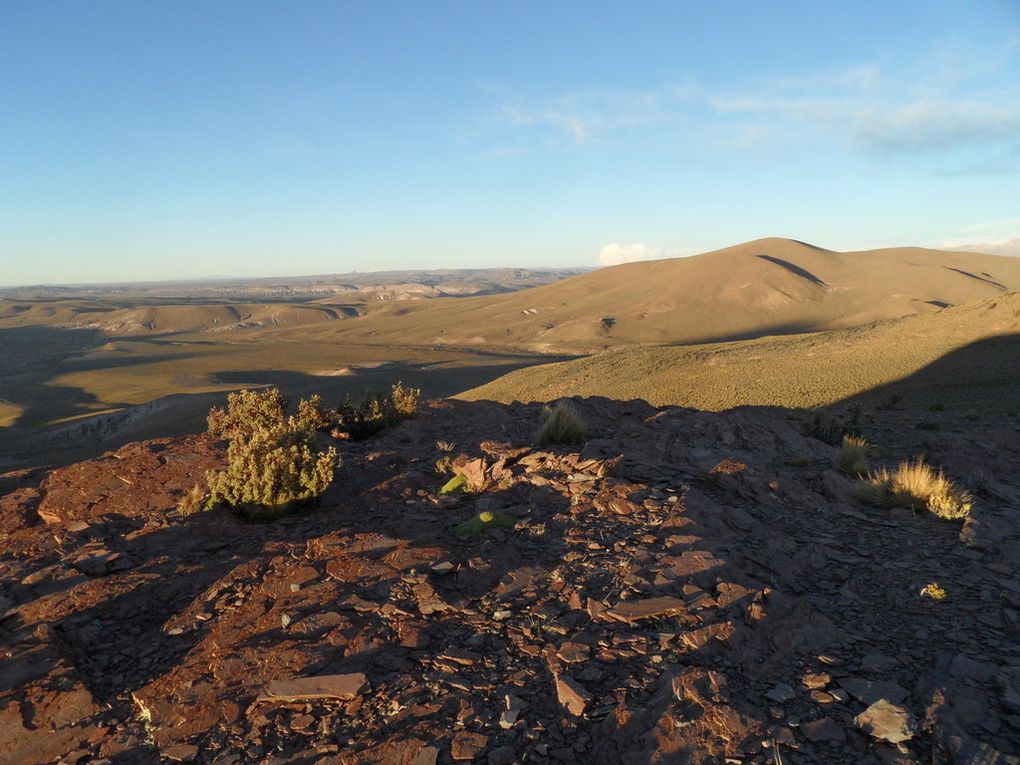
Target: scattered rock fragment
467	745
344	687
648	608
887	722
572	695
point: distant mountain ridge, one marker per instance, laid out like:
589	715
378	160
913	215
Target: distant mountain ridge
764	287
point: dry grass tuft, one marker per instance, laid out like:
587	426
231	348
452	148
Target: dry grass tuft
915	485
852	457
193	501
562	425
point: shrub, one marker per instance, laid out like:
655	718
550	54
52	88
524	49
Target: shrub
915	485
562	425
377	412
193	501
831	428
271	473
273	461
852	457
247	412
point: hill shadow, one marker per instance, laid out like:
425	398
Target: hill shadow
982	374
796	270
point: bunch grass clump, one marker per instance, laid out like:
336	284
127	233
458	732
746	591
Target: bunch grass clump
193	501
378	411
562	425
852	457
915	485
274	462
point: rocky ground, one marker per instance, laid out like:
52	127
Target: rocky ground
684	588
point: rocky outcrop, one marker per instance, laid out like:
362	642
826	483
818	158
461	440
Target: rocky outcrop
684	588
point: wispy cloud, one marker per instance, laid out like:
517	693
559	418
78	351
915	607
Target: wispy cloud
933	106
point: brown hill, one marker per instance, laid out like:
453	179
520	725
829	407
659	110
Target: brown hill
971	353
764	287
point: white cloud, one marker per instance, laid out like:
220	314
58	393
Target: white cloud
614	254
907	108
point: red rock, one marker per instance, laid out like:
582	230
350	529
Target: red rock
343	687
572	695
467	746
648	608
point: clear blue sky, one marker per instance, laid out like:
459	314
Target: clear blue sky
150	140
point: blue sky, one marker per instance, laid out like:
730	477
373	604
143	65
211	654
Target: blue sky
153	140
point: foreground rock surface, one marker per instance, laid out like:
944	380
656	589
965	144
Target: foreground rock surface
684	588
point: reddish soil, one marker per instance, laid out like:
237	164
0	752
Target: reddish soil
685	588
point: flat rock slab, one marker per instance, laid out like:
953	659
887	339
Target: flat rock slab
887	722
648	608
344	687
572	695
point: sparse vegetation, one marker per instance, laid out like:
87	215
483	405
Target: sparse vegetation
915	485
274	462
562	425
193	501
833	428
377	412
444	465
852	457
458	483
484	521
933	591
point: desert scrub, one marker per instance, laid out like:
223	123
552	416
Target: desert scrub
274	462
915	485
270	474
193	501
377	412
852	457
252	411
831	428
562	425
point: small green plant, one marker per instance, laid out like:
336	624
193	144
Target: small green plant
458	483
852	457
377	411
274	462
444	465
446	447
915	485
193	501
484	521
933	591
562	425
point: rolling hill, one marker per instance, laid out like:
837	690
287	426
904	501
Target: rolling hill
967	356
764	287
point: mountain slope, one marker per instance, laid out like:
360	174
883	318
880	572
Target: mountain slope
768	286
969	354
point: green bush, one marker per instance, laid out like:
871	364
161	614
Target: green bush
270	474
378	411
247	412
562	425
274	462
